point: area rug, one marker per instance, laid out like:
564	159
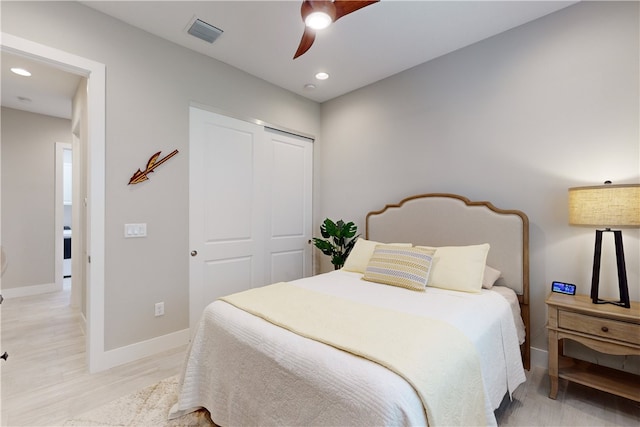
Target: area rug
148	407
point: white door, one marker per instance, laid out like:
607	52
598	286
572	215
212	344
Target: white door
289	229
245	224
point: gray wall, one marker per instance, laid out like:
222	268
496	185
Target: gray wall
516	119
148	92
28	195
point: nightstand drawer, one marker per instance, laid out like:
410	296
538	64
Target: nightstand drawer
606	328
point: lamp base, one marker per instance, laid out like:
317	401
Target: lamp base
622	270
618	303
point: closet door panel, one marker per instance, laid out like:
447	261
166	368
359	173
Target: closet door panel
226	212
229	183
290	228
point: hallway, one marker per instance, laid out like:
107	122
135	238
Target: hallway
45	380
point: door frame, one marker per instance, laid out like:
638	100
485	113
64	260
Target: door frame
95	73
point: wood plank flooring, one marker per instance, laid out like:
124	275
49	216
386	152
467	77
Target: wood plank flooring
576	405
45	380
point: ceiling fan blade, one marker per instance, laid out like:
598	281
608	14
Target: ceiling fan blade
345	7
308	37
336	9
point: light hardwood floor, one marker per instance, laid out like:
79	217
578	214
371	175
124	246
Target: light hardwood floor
45	381
576	405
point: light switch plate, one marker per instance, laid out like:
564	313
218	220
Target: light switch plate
135	230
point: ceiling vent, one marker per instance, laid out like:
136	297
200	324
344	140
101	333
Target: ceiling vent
204	31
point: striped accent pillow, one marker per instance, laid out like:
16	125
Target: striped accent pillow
397	266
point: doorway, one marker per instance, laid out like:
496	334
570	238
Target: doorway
93	119
63	214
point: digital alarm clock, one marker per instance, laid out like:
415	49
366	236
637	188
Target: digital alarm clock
563	288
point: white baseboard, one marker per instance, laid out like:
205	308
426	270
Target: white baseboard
133	352
26	291
539	357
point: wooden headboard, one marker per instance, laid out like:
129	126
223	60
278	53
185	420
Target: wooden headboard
441	219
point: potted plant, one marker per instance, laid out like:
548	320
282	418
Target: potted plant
339	238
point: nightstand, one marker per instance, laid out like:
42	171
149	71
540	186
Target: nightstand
602	327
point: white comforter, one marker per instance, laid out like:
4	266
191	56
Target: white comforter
246	371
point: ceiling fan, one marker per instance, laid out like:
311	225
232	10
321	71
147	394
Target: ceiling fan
319	14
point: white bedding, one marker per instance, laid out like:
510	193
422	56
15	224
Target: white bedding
246	371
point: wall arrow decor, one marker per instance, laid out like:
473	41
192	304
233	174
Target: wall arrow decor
153	163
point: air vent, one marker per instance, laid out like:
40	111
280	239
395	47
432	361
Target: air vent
204	31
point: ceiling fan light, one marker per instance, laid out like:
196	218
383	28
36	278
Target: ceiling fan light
318	20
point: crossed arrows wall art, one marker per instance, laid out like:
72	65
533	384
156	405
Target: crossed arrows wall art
153	163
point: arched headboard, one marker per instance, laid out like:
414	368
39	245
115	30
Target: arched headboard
440	219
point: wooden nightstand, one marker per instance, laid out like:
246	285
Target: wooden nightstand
603	327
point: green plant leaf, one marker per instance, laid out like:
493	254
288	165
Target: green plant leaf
339	239
325	246
349	230
328	228
338	260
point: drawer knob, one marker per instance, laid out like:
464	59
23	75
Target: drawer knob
605	329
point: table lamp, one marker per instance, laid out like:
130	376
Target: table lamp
607	206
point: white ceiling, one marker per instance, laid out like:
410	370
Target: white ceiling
48	91
260	37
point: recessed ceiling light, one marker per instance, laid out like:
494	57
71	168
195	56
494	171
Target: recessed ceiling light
322	76
309	86
21	72
24	99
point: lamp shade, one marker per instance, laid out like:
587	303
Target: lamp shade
605	205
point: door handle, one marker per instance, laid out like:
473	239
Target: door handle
194	253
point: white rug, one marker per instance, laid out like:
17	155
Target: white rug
148	407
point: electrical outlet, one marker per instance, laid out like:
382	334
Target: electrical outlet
159	309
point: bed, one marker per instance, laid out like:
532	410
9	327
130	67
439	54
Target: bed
346	348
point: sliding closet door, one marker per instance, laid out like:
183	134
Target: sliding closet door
226	213
288	252
250	207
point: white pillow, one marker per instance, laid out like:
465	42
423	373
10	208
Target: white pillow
458	268
491	275
360	255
